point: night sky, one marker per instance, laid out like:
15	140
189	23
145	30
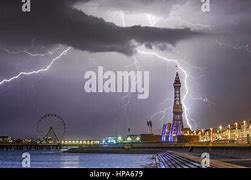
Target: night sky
212	47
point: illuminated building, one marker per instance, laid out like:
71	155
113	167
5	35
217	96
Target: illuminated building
237	132
5	139
165	132
109	140
132	138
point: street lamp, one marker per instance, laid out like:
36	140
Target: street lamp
244	122
211	134
221	134
202	134
229	131
236	130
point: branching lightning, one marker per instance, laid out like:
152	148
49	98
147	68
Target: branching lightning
37	71
49	52
23	52
241	47
176	17
200	26
127	98
185	78
152	19
162	114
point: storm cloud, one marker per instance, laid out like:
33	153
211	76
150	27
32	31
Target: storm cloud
159	7
58	22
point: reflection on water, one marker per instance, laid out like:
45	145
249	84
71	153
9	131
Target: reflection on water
67	161
57	159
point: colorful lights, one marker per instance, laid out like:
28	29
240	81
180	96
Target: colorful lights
163	134
109	140
235	133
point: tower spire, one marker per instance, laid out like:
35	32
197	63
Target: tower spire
177	124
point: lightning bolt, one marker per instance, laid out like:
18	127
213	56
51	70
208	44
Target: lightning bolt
174	15
126	99
244	47
152	19
50	52
123	18
36	71
200	26
122	15
23	52
162	113
185	77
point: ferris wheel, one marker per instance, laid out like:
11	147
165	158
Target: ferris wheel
51	128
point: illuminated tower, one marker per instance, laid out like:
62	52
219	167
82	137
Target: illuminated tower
177	124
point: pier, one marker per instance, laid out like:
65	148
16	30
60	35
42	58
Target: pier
24	146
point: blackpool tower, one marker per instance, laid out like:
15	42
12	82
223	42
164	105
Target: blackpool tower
177	124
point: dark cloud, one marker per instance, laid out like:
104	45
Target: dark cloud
57	22
160	7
